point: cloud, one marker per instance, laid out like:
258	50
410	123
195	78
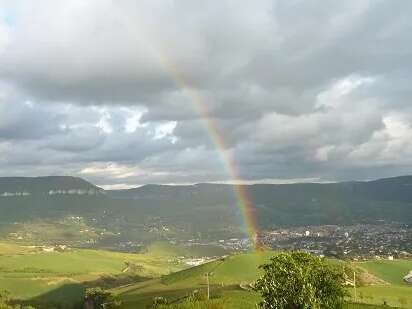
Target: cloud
296	89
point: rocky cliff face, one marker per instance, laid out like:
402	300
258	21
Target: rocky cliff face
12	187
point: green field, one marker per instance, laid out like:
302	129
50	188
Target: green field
230	270
390	271
395	292
226	276
33	275
29	273
230	277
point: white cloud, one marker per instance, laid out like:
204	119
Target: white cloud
322	153
165	130
114	170
4	36
339	91
133	120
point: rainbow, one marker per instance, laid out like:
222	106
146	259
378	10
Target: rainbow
243	202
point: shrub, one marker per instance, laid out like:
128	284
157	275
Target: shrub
299	280
99	298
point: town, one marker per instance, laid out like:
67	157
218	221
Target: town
382	240
379	240
361	241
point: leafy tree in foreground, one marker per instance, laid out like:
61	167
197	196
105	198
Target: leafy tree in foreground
299	280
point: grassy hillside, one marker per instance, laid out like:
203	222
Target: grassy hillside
395	292
230	277
230	270
37	276
390	271
225	277
31	273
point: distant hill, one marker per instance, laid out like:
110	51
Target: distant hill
387	199
205	208
23	198
49	185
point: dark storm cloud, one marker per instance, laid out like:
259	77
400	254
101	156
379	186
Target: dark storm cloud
21	121
297	89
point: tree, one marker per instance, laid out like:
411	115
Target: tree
159	302
5	302
299	280
97	298
4	299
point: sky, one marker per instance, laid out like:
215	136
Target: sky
298	90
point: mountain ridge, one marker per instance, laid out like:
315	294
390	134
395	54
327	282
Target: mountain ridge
16	186
208	207
26	180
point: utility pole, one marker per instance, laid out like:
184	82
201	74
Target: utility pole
208	274
208	286
354	283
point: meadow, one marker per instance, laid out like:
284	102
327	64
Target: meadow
229	280
29	273
394	291
36	276
225	277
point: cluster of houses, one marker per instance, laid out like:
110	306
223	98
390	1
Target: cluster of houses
384	241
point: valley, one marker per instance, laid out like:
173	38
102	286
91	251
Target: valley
59	236
59	278
205	154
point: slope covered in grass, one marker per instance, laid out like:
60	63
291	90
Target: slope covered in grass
226	275
14	249
392	289
230	270
229	278
29	272
390	271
